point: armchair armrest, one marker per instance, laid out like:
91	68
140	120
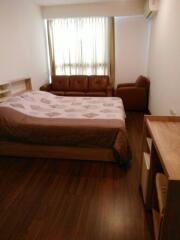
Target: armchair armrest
109	91
134	98
125	85
46	87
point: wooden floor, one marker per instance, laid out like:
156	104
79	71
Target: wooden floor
44	199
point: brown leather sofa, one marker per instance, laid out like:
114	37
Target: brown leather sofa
79	85
135	95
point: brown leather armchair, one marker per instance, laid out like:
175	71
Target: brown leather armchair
135	95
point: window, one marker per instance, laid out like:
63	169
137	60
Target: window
80	45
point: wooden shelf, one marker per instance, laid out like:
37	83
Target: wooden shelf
161	188
149	143
4	85
145	174
15	87
5	91
147	159
156	223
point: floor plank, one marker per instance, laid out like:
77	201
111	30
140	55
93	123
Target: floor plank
43	199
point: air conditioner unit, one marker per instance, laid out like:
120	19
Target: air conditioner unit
151	6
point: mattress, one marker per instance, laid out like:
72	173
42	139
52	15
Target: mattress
42	118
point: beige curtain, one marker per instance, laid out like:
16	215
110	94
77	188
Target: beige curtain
112	50
50	37
81	46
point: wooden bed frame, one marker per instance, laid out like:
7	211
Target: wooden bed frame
46	151
16	149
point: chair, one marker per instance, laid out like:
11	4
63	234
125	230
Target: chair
135	95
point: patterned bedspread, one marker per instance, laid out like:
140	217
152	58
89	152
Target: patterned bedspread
42	118
46	105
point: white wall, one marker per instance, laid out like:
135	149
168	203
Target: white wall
124	8
22	42
130	48
164	61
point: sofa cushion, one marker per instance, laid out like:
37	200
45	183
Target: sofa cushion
60	83
78	83
98	83
96	94
59	93
76	93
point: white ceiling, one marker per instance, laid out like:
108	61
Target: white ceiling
57	2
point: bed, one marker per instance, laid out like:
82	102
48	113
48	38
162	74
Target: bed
40	124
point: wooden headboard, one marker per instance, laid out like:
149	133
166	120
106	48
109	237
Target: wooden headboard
14	87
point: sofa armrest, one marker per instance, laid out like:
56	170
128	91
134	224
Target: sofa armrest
46	87
109	91
134	98
125	85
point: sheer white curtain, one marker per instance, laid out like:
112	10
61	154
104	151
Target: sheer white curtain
79	45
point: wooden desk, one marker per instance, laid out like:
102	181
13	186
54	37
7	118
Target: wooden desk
161	141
